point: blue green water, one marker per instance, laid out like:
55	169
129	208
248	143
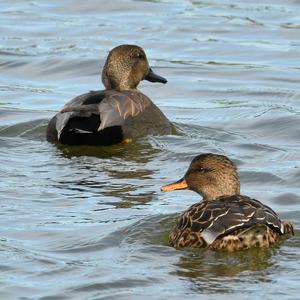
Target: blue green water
91	223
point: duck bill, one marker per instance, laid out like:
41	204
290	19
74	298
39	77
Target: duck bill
153	77
178	185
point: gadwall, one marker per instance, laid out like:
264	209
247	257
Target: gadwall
120	112
224	219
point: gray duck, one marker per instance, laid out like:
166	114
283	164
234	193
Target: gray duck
118	113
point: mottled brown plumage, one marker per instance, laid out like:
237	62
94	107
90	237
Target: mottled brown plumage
224	219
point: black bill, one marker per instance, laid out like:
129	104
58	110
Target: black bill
152	77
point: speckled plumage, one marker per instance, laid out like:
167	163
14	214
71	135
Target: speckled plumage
224	220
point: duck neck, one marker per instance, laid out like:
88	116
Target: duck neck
119	81
215	193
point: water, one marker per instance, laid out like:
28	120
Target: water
91	223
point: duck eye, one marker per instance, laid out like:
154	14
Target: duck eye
140	55
201	170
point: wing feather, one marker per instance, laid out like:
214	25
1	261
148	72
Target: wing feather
117	107
214	219
113	108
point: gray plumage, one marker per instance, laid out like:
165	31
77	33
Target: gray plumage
121	107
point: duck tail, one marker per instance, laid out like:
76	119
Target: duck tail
288	227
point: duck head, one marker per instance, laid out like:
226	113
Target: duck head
125	67
210	175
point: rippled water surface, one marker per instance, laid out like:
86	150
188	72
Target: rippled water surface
91	223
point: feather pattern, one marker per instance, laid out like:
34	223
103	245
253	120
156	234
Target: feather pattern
224	219
113	108
212	220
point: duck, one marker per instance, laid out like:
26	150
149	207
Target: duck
224	219
118	113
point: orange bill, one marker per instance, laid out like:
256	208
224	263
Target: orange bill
178	185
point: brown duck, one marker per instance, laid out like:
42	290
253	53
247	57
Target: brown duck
224	219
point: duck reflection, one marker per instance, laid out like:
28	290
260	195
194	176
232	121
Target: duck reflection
119	175
212	271
139	151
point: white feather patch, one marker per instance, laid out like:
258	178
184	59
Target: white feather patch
209	236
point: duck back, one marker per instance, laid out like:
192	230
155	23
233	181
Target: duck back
231	223
107	117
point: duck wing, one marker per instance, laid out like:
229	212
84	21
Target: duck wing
83	106
118	106
221	217
112	107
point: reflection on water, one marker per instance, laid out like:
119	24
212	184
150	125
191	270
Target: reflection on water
138	151
91	222
126	170
207	264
